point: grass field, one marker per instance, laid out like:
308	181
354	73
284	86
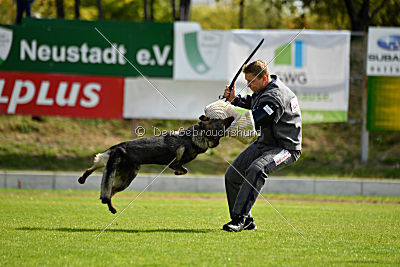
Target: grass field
59	228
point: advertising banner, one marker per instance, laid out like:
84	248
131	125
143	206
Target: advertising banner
83	47
383	51
383	70
315	65
66	68
199	54
61	95
383	103
169	99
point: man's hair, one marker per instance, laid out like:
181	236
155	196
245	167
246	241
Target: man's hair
258	68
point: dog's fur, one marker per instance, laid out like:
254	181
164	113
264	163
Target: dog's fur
123	161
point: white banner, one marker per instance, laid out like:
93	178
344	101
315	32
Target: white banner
198	54
315	65
168	99
383	51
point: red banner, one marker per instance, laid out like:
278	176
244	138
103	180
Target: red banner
61	95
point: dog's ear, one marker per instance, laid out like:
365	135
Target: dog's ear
204	118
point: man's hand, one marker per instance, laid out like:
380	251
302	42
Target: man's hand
229	94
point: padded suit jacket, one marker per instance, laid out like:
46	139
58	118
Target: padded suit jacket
284	128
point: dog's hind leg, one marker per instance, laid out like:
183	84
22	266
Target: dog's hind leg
119	183
107	181
124	178
99	161
110	206
106	185
109	176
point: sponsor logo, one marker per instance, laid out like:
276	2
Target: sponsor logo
292	55
281	157
294	104
202	50
268	110
63	95
384	57
293	77
389	42
288	55
6	37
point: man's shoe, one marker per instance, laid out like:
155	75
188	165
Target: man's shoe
236	225
249	224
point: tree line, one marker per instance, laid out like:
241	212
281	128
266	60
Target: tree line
355	15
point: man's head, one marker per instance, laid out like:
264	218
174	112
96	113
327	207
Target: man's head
257	75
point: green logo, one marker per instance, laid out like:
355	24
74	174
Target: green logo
202	50
285	56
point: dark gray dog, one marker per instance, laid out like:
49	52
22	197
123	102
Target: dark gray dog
122	162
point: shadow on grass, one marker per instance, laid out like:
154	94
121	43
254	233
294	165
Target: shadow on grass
78	230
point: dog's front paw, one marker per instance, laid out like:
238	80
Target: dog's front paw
81	180
181	171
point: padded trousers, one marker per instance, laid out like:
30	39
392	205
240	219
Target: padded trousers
246	176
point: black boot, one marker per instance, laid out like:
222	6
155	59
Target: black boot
236	225
249	224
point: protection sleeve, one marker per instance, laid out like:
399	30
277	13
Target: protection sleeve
264	115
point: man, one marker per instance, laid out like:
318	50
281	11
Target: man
276	112
23	5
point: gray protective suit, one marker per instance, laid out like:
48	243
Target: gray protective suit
278	146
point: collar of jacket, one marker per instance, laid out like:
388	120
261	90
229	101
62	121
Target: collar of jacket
270	85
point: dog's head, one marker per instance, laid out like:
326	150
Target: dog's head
213	129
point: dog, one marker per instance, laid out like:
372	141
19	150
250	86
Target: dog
122	161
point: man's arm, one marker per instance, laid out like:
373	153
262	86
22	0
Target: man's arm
268	111
242	101
265	114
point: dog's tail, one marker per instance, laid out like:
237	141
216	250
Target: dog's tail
100	161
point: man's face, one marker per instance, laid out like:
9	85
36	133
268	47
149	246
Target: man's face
254	83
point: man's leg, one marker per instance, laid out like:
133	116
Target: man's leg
28	8
259	169
233	179
20	11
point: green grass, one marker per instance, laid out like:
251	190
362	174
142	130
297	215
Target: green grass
59	228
